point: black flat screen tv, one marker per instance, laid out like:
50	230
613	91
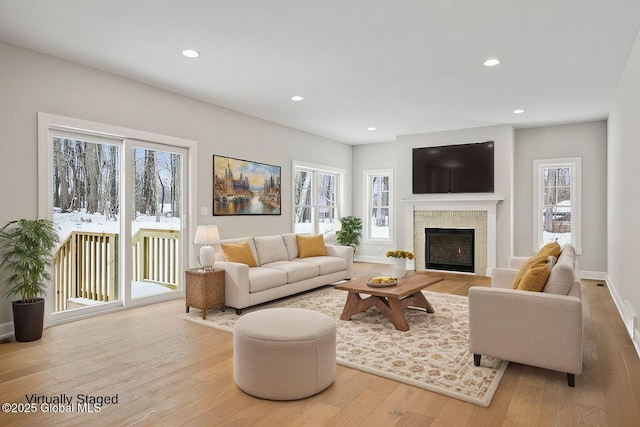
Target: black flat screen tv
464	168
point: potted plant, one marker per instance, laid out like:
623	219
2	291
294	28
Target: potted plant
26	253
350	231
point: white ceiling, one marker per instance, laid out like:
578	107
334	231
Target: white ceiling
402	66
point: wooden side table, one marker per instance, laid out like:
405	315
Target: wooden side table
204	289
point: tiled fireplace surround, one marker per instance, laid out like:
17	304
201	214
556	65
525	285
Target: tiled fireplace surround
479	215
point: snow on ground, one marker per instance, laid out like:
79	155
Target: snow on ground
68	222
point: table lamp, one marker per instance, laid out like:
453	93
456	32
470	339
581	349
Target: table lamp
207	235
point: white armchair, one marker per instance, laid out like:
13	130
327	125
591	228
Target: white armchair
540	329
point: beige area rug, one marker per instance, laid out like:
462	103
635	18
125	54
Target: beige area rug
432	355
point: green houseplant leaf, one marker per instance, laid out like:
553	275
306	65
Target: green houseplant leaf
26	252
351	231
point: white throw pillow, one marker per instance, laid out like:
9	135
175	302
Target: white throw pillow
270	249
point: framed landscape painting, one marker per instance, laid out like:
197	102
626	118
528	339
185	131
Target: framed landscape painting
243	187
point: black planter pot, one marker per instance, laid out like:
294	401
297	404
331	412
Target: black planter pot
28	320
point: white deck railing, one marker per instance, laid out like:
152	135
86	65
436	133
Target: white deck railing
86	264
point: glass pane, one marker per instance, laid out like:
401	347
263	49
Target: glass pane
385	199
327	220
550	176
326	190
86	213
380	183
564	195
156	224
549	196
379	223
303	220
302	188
564	176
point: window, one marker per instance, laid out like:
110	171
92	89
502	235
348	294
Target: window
378	204
317	193
557	202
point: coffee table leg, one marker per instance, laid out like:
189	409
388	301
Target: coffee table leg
356	304
396	314
418	300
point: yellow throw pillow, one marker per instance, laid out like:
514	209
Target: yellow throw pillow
239	252
535	279
311	246
530	263
550	249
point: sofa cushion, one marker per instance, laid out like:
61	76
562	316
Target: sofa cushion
550	249
326	264
262	278
239	252
530	263
296	271
535	278
562	275
311	246
270	249
291	244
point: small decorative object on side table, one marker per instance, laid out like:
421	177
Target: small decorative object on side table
204	289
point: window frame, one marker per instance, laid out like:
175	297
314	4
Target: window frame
575	164
315	169
368	176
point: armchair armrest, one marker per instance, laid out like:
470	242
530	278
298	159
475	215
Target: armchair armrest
236	283
345	252
533	328
502	277
515	262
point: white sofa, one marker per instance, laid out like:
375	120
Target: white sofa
280	271
542	329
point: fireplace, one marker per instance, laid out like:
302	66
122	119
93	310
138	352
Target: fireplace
450	249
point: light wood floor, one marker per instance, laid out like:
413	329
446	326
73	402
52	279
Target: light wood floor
166	371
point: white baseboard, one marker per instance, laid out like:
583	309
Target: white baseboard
373	259
6	330
628	314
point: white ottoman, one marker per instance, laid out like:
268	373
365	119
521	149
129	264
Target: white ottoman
284	353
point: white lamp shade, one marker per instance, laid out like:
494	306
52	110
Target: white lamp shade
207	235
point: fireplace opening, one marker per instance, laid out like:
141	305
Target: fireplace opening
450	249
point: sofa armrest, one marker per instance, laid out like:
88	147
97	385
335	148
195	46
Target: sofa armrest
236	283
502	277
345	252
533	328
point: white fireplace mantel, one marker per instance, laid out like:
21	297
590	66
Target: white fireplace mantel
454	198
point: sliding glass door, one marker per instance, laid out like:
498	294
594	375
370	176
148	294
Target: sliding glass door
119	206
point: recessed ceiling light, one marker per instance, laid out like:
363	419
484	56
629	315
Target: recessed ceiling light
491	62
297	98
371	128
518	111
190	53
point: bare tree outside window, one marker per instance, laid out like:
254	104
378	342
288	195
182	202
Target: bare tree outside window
315	199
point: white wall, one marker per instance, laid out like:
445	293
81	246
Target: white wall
585	140
623	193
397	155
31	82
